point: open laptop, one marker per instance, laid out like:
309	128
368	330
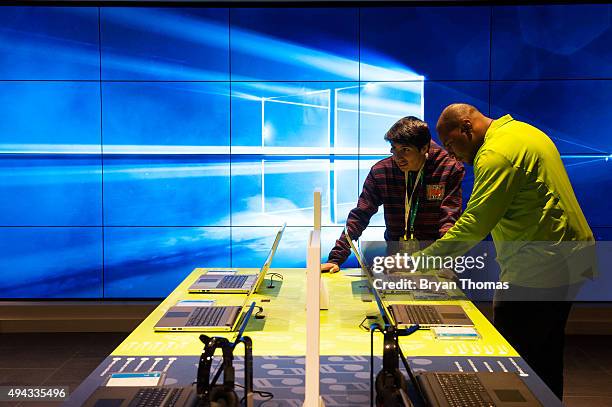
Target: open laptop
426	316
498	389
394	276
429	316
162	396
230	282
200	316
460	389
389	275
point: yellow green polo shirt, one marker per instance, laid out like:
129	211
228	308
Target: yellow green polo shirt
521	194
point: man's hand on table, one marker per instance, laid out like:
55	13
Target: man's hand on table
330	267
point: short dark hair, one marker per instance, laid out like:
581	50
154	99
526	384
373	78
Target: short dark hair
409	131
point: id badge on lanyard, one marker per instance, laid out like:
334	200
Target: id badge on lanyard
407	243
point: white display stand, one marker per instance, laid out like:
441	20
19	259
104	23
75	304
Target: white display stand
312	398
323	295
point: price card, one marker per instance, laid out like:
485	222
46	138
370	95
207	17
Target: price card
454	332
135	379
195	303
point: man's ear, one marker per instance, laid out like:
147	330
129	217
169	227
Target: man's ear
425	148
466	128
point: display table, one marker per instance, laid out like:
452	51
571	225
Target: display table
279	344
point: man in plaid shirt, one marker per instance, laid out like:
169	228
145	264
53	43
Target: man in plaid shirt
417	165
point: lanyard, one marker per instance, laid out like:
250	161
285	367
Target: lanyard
410	214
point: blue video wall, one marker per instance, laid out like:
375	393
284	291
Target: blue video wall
139	143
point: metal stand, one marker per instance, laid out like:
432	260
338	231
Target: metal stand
390	373
205	385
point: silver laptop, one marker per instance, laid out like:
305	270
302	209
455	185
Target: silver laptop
406	315
230	282
449	389
500	389
428	316
163	396
399	276
200	316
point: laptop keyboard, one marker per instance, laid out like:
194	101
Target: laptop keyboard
174	397
206	316
463	390
154	397
424	314
416	314
232	281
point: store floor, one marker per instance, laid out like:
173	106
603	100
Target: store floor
66	359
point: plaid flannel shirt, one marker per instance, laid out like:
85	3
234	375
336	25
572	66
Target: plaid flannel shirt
439	201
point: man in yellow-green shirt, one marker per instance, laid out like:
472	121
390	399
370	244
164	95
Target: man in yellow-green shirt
522	196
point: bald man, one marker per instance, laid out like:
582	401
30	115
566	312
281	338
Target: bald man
521	194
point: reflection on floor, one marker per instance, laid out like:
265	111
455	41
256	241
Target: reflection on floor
67	358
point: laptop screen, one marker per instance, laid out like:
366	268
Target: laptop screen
244	324
279	235
381	307
366	271
268	262
364	266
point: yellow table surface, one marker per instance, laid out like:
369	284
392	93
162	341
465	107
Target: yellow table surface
283	331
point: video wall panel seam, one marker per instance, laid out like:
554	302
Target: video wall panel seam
229	57
359	102
101	150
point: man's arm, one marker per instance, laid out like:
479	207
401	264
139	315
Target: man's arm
496	181
450	207
358	219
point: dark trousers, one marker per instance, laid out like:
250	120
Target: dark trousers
537	331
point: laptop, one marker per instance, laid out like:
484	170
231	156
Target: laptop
460	389
200	316
162	396
406	315
237	339
230	282
390	275
429	316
